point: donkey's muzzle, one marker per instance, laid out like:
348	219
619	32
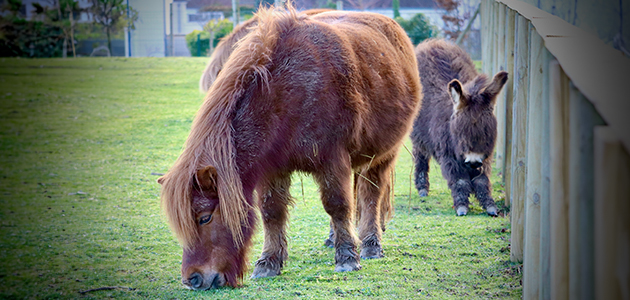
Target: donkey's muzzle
473	164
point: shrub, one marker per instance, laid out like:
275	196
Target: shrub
19	37
418	28
223	28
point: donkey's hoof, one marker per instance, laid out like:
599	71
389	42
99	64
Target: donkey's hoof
266	267
348	266
329	243
462	210
423	192
492	211
372	252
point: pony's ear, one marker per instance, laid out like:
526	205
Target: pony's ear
160	180
457	94
207	178
493	89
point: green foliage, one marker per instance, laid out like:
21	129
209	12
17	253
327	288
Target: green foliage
221	28
79	204
396	7
113	16
19	37
418	28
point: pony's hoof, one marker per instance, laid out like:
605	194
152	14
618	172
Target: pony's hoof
348	266
329	243
266	268
462	210
423	193
492	211
372	252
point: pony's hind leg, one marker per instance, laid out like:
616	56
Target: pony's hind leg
274	200
336	193
373	186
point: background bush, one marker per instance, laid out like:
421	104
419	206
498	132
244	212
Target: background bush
418	28
224	28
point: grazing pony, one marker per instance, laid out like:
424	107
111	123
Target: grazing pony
226	46
324	94
456	123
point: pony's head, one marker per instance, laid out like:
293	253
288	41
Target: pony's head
473	124
215	257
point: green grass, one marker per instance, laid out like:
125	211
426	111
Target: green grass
79	208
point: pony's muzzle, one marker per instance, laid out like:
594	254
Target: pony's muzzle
196	281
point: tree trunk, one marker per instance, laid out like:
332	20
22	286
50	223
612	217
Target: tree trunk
74	52
109	40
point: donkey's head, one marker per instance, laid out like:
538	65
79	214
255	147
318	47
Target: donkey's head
473	124
215	257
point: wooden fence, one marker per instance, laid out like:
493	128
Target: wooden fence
562	150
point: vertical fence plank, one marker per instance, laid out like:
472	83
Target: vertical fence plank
500	106
612	207
545	230
531	254
483	14
487	36
581	192
519	136
559	204
574	181
508	94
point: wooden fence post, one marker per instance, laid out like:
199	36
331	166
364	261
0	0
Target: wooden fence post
508	94
501	105
581	194
519	136
531	255
485	23
612	207
545	229
559	204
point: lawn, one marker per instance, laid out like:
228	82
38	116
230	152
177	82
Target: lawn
79	204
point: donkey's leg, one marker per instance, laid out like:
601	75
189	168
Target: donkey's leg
482	188
421	172
336	193
459	183
371	190
274	201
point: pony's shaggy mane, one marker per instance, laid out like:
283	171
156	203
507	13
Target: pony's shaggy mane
222	52
210	142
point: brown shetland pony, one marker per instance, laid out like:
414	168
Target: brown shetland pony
226	46
324	94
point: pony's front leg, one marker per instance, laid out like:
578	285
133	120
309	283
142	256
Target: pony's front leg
371	188
482	187
336	193
274	199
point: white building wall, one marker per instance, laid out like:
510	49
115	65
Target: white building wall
148	37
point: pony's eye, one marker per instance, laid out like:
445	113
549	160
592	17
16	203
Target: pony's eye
205	219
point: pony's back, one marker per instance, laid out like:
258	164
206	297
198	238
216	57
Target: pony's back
226	46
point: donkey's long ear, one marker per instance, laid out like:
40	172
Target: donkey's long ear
457	94
160	180
495	86
207	178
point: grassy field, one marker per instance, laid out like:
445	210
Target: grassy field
79	206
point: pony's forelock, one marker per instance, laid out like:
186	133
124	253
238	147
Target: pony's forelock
210	141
